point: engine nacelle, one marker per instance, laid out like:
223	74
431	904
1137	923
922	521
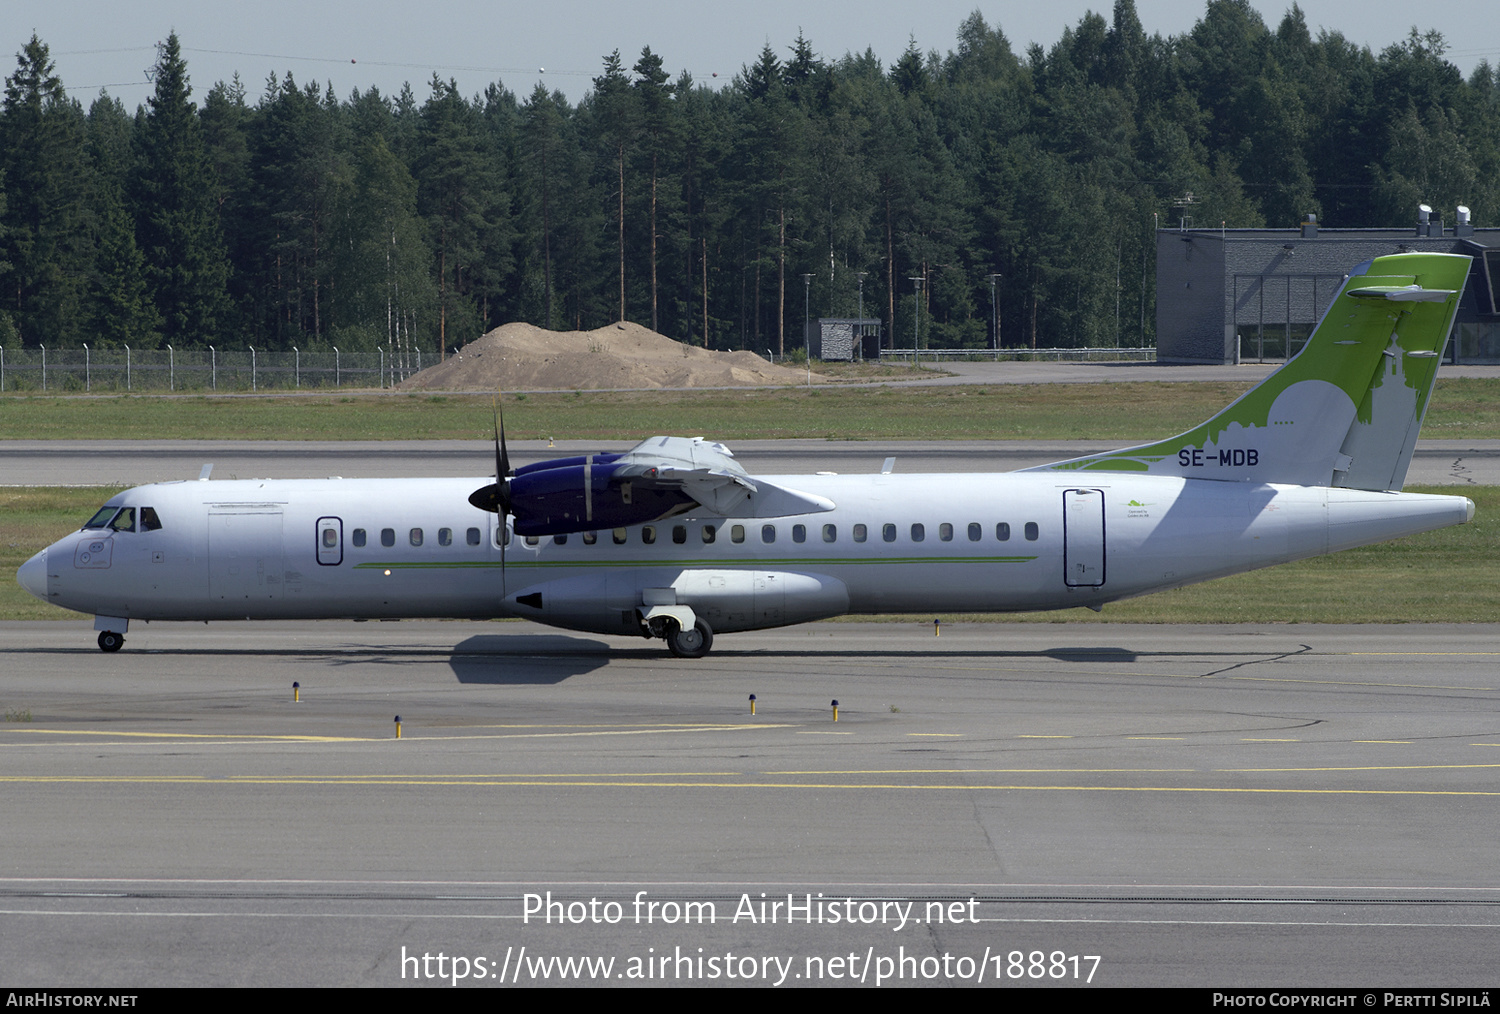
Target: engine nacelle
586	496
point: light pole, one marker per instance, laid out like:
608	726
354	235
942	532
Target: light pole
860	333
995	312
806	313
253	385
916	316
88	378
213	367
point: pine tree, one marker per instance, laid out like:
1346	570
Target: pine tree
176	221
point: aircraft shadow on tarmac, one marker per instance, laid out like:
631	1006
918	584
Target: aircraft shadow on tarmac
531	659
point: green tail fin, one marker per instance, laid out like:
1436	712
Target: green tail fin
1345	411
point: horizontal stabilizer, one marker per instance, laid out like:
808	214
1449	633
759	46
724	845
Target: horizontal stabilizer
1401	293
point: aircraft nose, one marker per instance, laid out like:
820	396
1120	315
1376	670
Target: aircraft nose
33	575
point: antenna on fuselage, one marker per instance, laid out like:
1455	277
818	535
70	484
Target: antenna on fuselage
205	471
888	467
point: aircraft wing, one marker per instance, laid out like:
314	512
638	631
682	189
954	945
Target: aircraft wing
706	472
656	479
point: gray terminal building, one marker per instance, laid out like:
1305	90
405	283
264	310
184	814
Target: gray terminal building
1251	295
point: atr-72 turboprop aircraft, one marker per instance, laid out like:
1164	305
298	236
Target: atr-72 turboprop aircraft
673	539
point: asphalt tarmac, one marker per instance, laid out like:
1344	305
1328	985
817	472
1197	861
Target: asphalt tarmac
1005	804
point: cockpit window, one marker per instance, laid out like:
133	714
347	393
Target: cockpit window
101	519
149	521
124	521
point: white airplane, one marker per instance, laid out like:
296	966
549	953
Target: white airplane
673	539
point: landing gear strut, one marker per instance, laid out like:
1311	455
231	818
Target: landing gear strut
109	640
691	643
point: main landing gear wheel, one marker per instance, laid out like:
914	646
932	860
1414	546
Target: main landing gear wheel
110	641
693	643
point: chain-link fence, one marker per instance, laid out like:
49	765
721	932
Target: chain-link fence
202	370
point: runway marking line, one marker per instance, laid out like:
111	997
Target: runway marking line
1038	736
945	735
1372	767
597	730
1387	742
580	782
1248	740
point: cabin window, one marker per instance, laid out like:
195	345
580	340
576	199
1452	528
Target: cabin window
101	518
445	536
679	534
799	533
1002	531
918	532
388	537
619	535
975	531
768	533
359	538
533	540
415	537
330	538
708	534
472	536
124	521
945	532
149	521
559	540
502	536
888	532
589	538
1031	531
861	533
830	533
648	535
737	534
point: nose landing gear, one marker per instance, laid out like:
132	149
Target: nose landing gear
109	640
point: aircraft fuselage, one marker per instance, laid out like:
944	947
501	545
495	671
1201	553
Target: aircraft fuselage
398	548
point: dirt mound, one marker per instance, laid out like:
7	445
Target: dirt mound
522	357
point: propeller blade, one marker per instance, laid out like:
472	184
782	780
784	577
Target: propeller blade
502	458
495	497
